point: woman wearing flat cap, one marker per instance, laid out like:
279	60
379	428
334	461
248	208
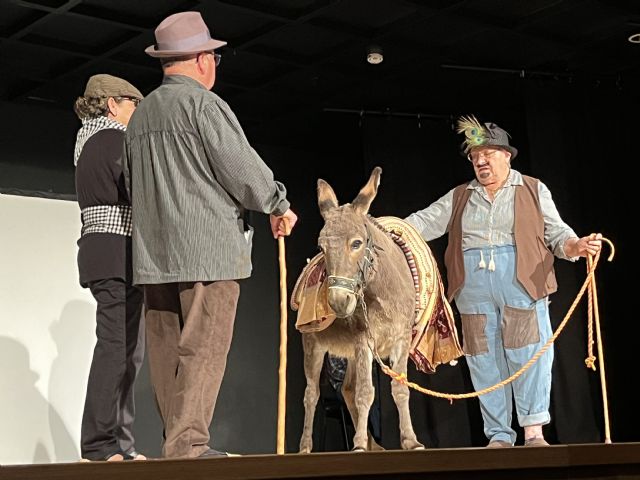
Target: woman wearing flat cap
104	263
504	231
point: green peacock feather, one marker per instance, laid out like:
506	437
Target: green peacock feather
475	134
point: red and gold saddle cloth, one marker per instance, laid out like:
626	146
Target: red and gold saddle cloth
434	338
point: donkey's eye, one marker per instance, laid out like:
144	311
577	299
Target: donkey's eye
356	244
320	249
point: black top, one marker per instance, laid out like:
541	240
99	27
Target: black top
99	181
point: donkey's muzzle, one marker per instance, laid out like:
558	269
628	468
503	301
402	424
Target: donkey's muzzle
342	301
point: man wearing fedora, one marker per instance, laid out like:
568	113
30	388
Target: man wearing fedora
192	175
504	230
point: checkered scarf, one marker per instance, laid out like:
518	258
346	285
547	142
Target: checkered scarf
91	126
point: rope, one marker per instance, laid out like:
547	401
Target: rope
590	361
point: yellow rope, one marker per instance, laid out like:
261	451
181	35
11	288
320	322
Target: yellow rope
590	361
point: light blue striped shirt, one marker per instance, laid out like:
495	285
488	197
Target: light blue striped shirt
488	224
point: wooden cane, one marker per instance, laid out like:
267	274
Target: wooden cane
282	371
593	299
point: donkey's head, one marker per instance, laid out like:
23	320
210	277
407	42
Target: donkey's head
346	243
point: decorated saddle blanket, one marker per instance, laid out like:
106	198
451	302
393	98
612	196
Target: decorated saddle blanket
434	336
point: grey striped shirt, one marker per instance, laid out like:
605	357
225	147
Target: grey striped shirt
486	223
191	174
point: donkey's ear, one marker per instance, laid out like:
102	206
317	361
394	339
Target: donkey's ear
368	192
326	197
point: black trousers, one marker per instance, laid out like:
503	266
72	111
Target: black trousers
109	408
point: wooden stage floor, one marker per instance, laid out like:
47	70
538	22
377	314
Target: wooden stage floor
619	461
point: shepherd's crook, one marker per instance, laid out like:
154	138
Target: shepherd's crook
594	314
282	371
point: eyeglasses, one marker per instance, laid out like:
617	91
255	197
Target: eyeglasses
486	154
216	56
136	101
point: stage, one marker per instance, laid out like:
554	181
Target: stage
585	462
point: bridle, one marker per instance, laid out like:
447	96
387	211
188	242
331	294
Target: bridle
357	285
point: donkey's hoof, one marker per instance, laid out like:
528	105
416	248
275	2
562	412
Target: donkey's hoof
358	449
412	445
305	447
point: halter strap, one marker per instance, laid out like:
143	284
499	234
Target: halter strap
365	267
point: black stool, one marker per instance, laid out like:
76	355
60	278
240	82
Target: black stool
333	408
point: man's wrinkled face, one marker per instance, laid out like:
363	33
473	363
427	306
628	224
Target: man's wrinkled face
491	164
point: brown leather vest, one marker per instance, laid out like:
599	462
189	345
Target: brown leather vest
534	261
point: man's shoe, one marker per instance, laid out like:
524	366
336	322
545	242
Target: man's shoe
536	442
213	453
499	444
135	455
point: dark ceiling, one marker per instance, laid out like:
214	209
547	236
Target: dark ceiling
286	58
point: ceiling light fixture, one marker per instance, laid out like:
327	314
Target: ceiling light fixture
635	38
374	55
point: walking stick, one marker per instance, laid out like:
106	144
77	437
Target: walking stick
594	315
282	371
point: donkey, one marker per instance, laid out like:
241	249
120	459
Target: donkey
372	293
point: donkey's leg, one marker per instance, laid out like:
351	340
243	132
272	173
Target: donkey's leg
349	390
363	393
313	358
348	393
398	360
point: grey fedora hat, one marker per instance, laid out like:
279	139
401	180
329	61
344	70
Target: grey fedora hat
483	135
182	34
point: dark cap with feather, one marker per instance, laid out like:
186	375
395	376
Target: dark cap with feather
479	135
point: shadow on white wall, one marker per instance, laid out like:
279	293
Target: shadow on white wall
69	371
47	334
42	429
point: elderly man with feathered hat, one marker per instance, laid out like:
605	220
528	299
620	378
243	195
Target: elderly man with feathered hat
504	231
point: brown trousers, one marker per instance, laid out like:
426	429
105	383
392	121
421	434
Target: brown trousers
189	329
